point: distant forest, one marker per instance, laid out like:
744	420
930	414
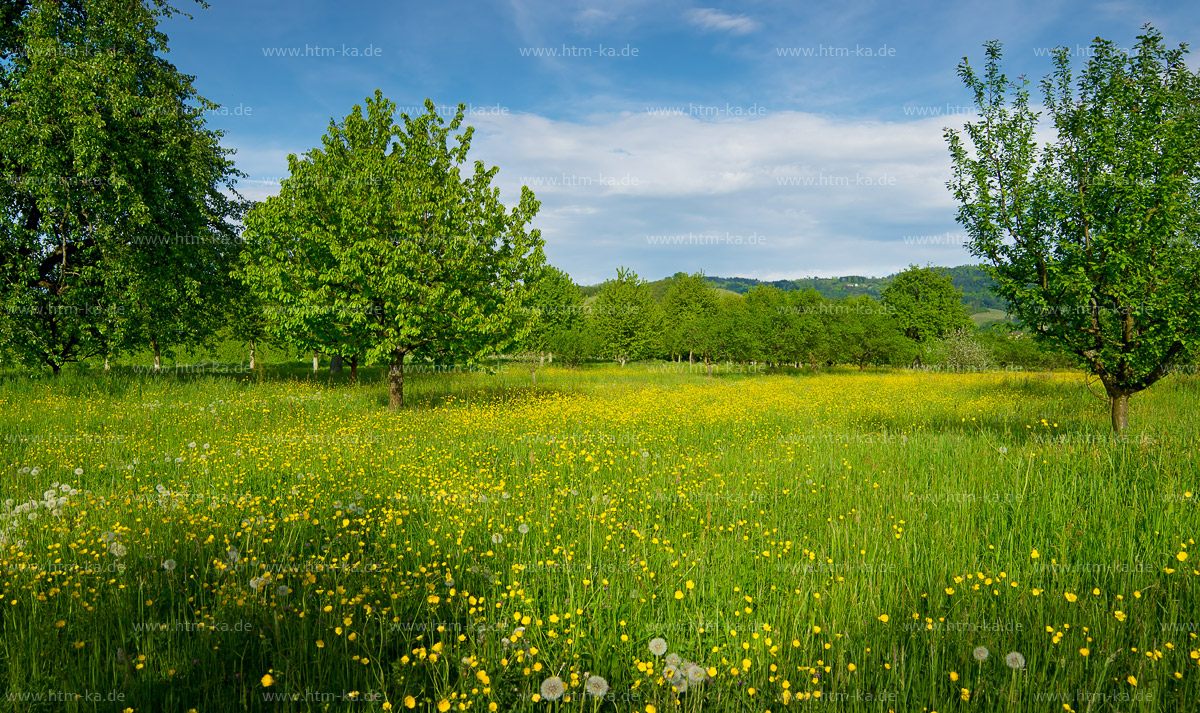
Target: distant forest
974	283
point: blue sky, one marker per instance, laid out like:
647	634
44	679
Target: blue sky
759	139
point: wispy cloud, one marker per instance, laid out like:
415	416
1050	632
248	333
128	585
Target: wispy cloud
823	195
836	158
710	19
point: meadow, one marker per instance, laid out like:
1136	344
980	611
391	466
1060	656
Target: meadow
632	539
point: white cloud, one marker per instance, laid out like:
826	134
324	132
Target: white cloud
710	19
822	195
830	196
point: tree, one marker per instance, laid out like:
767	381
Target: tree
809	329
768	317
688	302
179	293
1093	240
553	306
959	351
868	333
377	245
575	344
724	331
926	303
625	318
116	200
248	321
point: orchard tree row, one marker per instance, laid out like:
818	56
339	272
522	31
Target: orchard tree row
696	323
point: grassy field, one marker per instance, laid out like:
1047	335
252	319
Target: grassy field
989	316
633	539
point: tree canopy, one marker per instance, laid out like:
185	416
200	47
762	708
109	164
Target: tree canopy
378	243
1091	239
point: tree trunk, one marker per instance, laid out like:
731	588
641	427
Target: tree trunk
710	369
335	364
622	360
56	368
1120	411
316	361
533	376
106	366
157	356
354	368
690	360
542	359
252	353
396	380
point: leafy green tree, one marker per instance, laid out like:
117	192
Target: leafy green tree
377	245
180	293
926	303
248	321
810	328
725	330
553	306
688	303
574	345
767	321
1092	240
625	318
868	333
117	201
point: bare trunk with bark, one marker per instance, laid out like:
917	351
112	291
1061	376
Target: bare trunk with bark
1119	410
396	380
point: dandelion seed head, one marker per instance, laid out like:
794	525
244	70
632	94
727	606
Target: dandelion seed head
552	688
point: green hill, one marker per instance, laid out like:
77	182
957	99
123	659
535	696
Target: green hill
971	279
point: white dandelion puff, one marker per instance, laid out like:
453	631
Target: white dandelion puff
980	653
1015	660
596	686
552	688
658	646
